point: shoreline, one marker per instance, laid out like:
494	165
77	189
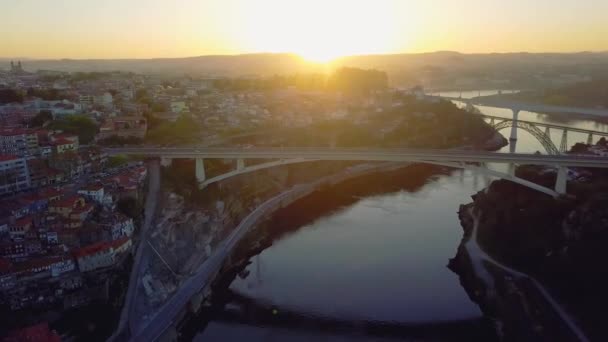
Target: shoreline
494	286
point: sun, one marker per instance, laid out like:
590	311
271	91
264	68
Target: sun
320	30
319	56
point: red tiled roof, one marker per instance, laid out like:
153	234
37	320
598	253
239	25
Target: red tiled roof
93	187
23	221
50	192
62	141
5	265
66	202
65	136
98	247
7	157
38	263
13	131
38	333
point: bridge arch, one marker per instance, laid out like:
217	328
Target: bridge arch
253	168
543	138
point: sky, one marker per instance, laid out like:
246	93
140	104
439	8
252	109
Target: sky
316	29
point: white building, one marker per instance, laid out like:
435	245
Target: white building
105	100
101	254
178	107
18	142
14	174
94	192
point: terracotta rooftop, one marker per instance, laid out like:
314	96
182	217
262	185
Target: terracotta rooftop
7	157
99	247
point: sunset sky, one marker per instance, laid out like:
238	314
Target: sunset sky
316	29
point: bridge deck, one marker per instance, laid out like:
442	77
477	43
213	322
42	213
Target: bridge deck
413	155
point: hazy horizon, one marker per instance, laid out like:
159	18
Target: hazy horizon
316	30
25	58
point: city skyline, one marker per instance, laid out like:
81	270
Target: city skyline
316	30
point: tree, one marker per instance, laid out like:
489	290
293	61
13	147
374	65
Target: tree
114	161
129	207
354	80
9	96
158	107
80	125
184	129
41	118
141	94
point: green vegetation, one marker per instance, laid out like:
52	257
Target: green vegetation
142	96
183	130
130	207
414	124
352	80
80	125
116	140
47	94
10	95
358	81
41	118
114	161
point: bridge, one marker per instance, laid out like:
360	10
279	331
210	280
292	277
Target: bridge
517	107
452	158
541	131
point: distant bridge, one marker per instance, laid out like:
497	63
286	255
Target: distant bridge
529	107
529	126
543	136
474	160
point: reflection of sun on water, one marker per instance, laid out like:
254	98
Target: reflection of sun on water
320	30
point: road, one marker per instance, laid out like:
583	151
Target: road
371	154
127	317
164	316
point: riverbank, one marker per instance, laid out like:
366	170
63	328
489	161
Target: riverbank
548	285
522	308
400	271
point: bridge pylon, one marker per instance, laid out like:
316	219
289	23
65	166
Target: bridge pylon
514	127
590	139
563	146
561	180
199	170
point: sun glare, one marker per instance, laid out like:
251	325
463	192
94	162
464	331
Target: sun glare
321	31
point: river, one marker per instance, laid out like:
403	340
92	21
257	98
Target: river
375	263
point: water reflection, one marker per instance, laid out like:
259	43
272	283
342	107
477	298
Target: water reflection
373	261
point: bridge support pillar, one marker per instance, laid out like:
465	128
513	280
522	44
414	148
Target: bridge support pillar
590	139
164	161
563	146
514	127
511	169
561	180
199	170
240	164
548	132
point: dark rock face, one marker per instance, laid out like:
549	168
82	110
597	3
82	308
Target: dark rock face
560	242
